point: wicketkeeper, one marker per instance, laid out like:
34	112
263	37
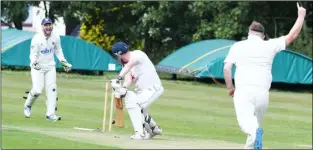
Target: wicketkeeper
43	71
138	69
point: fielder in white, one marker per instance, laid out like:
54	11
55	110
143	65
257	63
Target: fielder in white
138	69
43	72
253	59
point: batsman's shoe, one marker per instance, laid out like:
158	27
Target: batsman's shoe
258	139
138	136
27	111
148	136
53	118
157	130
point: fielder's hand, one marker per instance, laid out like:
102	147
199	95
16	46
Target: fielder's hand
231	92
36	65
67	66
301	11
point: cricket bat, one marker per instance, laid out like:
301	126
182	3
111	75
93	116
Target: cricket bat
119	112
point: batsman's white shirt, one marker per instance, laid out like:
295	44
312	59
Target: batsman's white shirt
144	72
43	49
253	59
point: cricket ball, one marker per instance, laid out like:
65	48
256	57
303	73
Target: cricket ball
113	121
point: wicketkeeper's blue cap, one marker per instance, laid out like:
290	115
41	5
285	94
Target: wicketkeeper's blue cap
119	48
45	21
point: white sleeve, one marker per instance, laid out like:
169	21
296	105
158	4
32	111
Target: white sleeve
231	57
127	80
278	44
58	49
34	50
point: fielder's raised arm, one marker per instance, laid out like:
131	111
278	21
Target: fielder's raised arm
296	29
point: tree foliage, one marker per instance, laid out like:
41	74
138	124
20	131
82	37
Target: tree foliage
160	27
15	12
96	35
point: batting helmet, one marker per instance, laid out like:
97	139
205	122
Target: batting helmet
119	48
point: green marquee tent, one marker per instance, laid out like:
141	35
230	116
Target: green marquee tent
205	59
80	53
194	57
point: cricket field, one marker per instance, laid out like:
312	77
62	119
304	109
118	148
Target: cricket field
191	114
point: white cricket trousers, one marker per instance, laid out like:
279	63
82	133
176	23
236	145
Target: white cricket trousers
134	102
44	78
250	105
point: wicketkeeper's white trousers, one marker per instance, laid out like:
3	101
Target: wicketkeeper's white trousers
44	78
134	102
250	105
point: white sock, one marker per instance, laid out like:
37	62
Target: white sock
136	119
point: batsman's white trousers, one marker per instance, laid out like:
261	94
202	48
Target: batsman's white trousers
45	78
144	98
134	102
250	105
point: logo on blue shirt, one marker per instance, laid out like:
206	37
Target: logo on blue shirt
46	51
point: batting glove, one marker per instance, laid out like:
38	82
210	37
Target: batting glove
36	65
67	66
119	79
116	84
121	92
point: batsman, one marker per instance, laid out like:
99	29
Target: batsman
43	72
139	70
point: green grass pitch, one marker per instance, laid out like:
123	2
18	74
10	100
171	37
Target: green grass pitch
192	115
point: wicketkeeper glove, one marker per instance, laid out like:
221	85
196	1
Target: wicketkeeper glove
36	65
67	66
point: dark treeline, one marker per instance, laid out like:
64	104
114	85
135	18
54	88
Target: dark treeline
160	27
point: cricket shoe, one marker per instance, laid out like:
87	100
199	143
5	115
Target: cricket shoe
258	139
138	136
27	111
53	118
148	136
157	130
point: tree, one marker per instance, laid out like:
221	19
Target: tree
16	12
109	22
